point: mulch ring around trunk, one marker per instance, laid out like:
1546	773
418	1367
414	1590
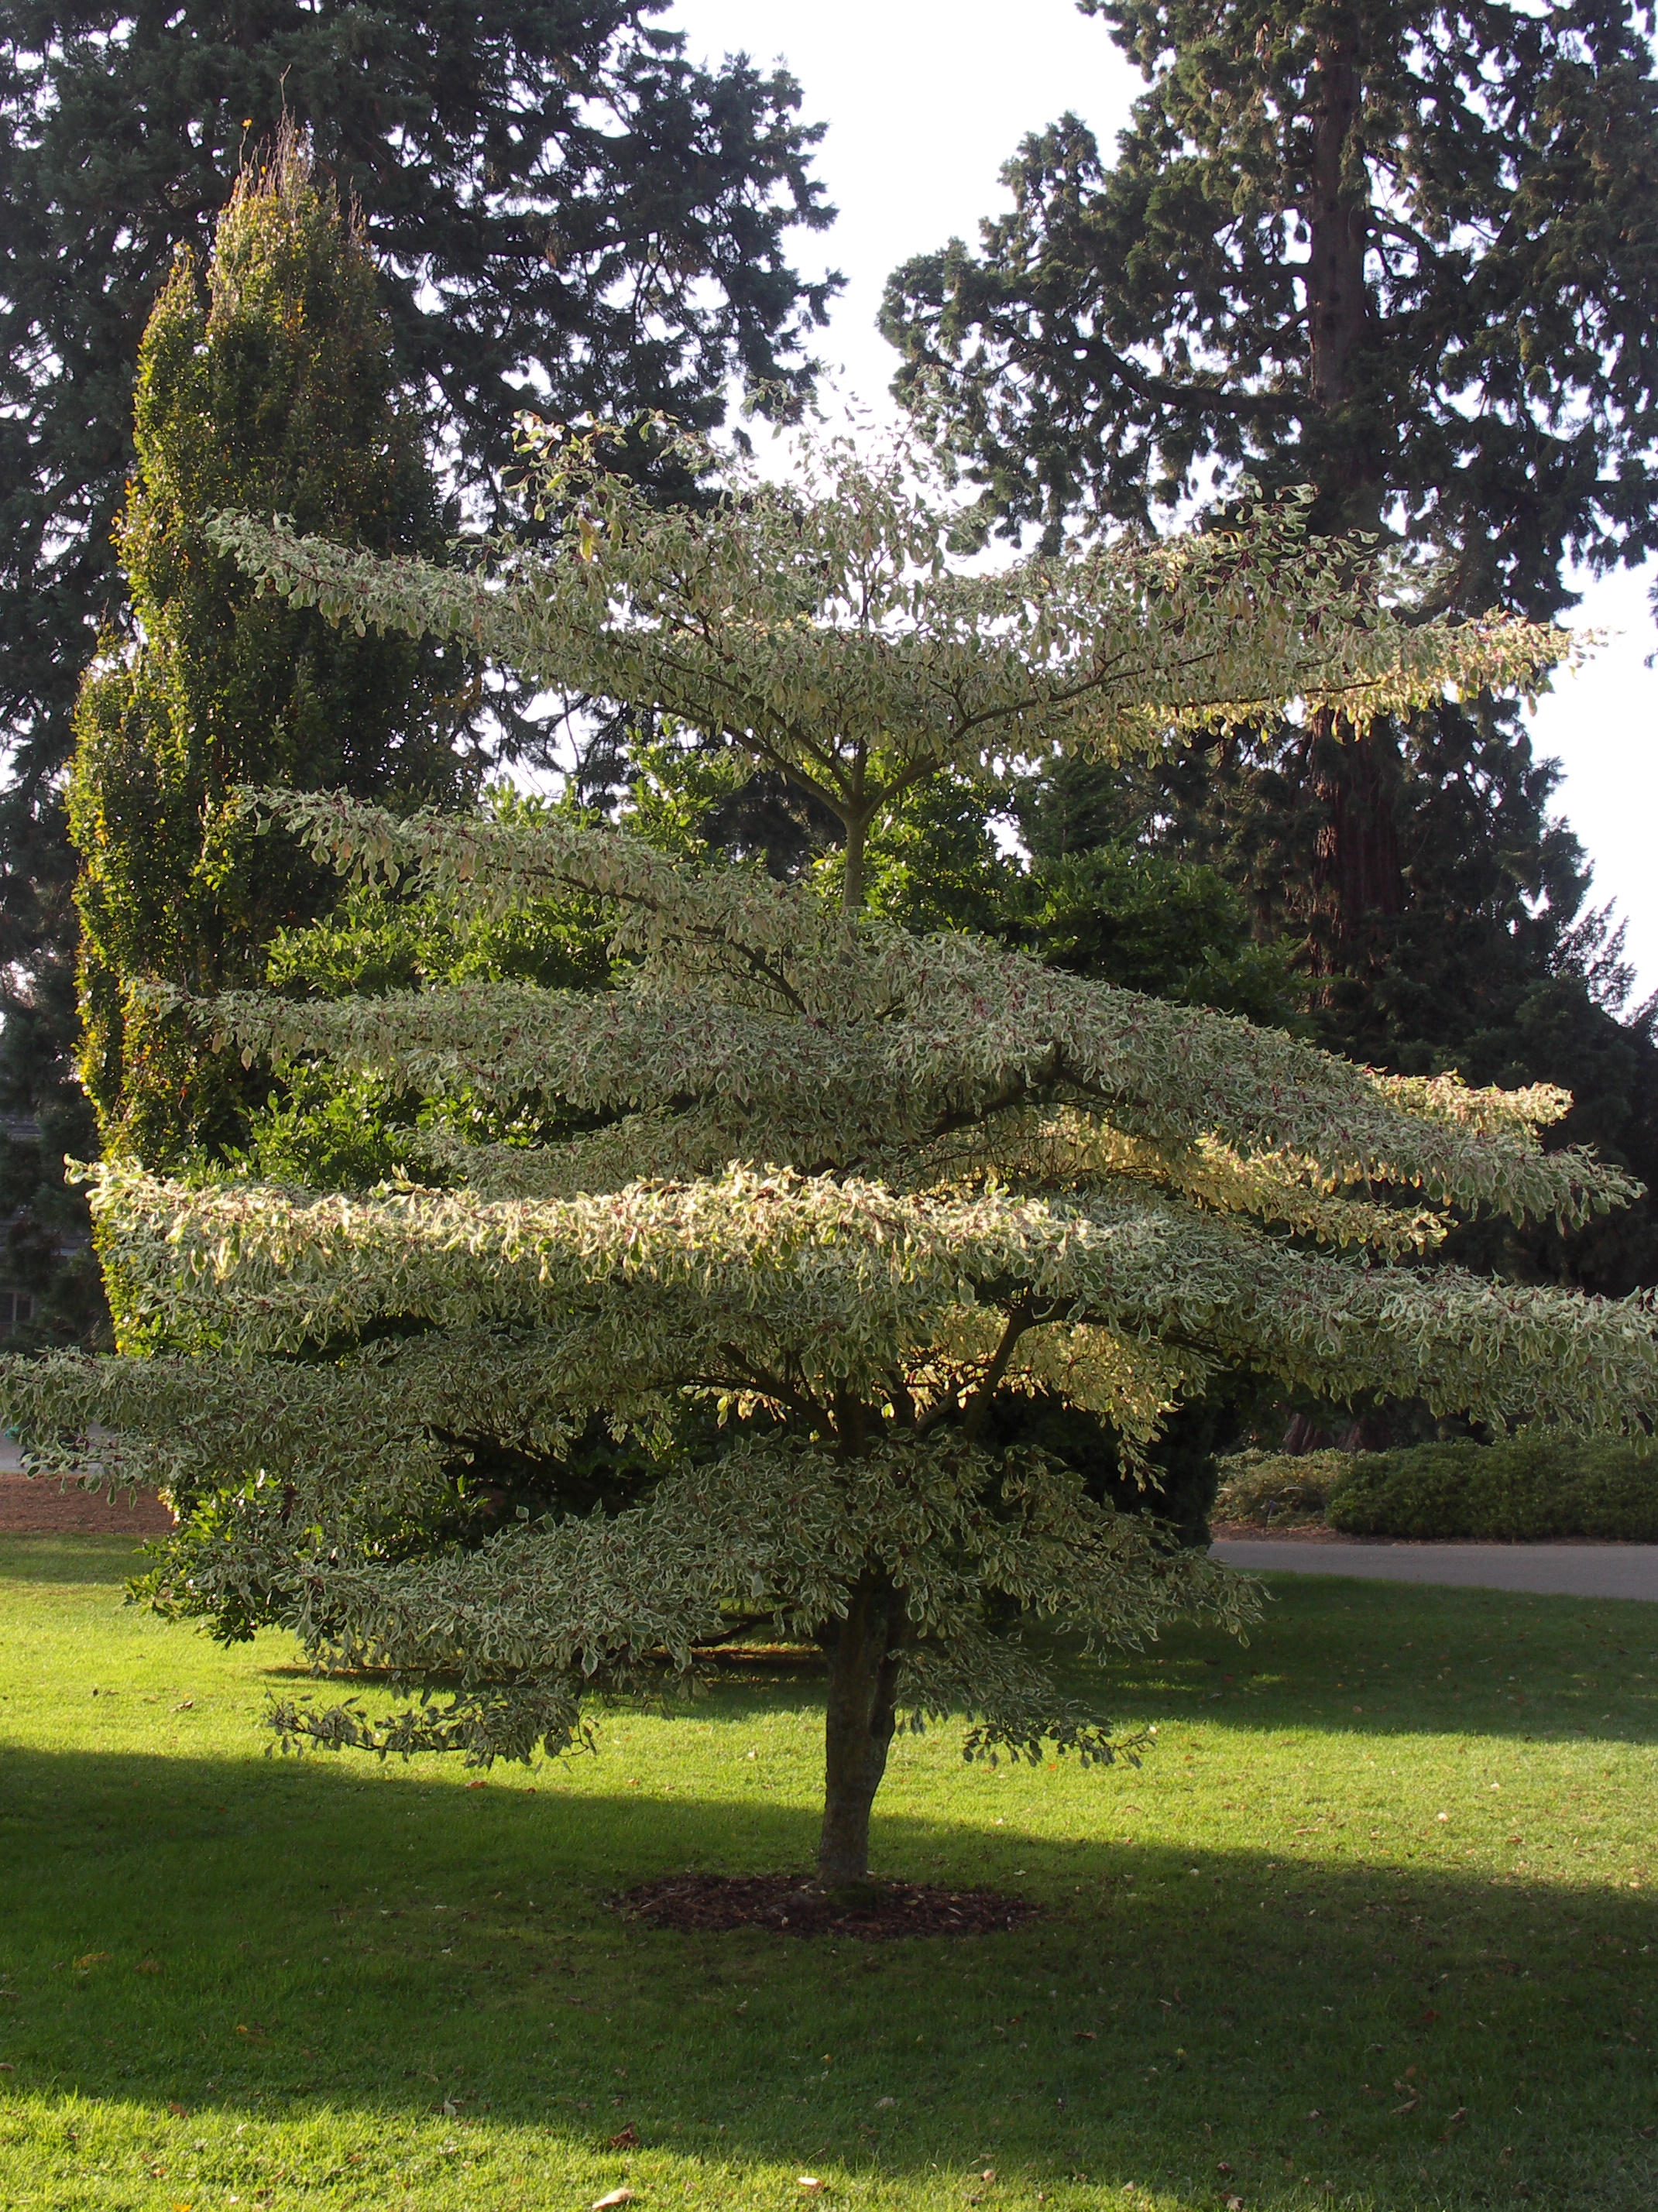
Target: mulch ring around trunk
787	1905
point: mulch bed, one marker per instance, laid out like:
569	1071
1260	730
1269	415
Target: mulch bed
740	1658
28	1508
787	1905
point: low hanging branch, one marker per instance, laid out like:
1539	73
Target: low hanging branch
853	1183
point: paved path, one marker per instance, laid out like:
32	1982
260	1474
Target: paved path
1558	1570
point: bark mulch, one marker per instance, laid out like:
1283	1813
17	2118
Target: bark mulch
28	1508
785	1904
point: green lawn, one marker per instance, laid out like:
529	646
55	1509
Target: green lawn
1373	1926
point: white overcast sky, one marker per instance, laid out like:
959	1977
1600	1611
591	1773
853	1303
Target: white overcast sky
924	101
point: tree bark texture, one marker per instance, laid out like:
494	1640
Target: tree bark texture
851	892
863	1666
1338	223
1352	779
1357	875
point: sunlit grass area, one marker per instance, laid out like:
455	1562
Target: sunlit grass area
1372	1927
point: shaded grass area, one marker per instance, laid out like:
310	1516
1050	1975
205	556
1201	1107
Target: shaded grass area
1372	1927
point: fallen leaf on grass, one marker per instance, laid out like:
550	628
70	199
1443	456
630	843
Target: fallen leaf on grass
1235	2205
808	2181
616	2196
626	2141
6	2066
92	1959
1222	2166
178	2110
1085	2035
185	1705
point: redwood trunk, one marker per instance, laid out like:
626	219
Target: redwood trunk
1358	878
1338	227
857	1729
1356	875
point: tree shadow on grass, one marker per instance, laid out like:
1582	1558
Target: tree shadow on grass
1412	1659
1408	1661
70	1557
275	1936
272	1939
1377	1660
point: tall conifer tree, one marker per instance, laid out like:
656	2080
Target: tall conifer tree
276	384
1407	255
556	194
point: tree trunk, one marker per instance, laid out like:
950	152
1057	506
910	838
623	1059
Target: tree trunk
1358	878
857	1729
851	891
1338	225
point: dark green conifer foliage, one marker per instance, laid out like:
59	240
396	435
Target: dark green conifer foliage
1408	254
272	388
559	200
1494	961
562	203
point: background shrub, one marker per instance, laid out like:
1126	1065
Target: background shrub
1511	1492
1282	1490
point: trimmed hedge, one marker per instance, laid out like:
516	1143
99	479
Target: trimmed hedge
1515	1491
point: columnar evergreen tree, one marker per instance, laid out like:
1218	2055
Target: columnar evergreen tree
275	385
859	1184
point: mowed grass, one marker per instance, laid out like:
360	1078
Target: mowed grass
1373	1926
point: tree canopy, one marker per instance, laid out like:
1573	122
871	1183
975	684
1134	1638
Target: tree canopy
853	1185
561	202
848	655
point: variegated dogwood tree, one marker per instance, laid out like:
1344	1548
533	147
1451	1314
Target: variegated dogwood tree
849	1182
